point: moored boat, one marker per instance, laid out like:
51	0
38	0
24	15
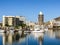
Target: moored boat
38	28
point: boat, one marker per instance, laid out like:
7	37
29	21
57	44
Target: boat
38	29
46	28
1	31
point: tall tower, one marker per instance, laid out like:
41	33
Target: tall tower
40	18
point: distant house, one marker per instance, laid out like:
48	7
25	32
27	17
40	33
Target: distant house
57	19
55	23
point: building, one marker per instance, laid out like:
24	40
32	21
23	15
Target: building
40	18
30	24
54	23
21	19
8	20
13	20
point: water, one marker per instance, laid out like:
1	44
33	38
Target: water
51	37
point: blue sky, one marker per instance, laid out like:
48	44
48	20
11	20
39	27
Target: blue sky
30	8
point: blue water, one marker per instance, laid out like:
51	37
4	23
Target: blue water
50	41
1	40
31	40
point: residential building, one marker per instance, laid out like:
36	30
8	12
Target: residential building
54	24
13	20
8	20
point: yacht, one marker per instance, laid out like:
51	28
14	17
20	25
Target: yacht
38	29
1	31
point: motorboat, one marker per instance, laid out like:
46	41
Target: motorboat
1	31
38	28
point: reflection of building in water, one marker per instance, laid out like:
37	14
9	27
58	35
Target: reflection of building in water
3	39
57	34
10	38
51	33
39	36
22	39
7	39
16	36
41	40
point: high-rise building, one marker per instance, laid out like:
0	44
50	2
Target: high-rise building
20	20
40	18
8	20
13	20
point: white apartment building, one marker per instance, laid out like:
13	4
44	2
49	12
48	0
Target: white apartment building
13	20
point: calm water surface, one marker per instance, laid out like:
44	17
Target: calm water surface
51	37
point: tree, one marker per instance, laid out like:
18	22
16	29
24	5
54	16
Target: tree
17	27
6	25
22	25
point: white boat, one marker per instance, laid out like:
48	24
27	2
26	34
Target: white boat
38	28
46	29
1	31
41	31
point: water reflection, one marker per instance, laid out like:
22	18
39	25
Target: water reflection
53	34
40	37
8	39
41	40
50	33
57	34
